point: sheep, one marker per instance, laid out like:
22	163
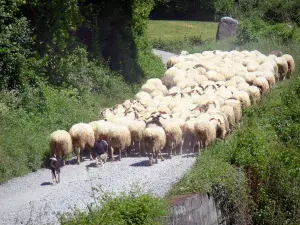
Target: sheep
154	139
250	77
119	137
155	81
252	66
173	137
243	86
61	144
106	113
82	136
206	131
223	122
156	93
189	135
136	128
184	53
229	112
262	84
148	87
243	96
237	79
172	61
283	67
236	104
269	76
143	95
254	94
291	64
214	76
230	83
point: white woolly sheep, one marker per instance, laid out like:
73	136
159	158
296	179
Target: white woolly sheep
154	140
82	135
254	94
291	64
142	95
236	104
173	137
229	112
148	87
283	67
262	84
61	144
119	137
206	131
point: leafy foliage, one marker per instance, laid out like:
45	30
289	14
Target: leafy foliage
253	30
15	44
132	208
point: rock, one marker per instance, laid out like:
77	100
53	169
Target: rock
227	28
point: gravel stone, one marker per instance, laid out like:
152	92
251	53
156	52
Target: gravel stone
34	200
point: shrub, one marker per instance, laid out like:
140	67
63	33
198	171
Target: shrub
252	30
125	209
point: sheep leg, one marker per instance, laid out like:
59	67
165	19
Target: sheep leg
171	150
112	153
180	147
139	149
126	152
77	153
199	145
91	156
151	158
120	153
64	158
174	149
162	158
156	157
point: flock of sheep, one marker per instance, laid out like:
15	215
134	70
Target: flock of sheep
199	99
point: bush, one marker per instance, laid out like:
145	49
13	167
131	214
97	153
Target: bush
253	30
125	209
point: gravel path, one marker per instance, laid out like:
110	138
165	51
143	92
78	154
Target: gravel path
32	199
32	196
163	55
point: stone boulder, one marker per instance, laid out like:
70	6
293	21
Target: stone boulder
227	28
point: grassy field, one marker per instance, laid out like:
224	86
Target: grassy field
175	35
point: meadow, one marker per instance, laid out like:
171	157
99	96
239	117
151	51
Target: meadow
175	35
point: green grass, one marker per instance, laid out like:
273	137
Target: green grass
179	30
174	36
